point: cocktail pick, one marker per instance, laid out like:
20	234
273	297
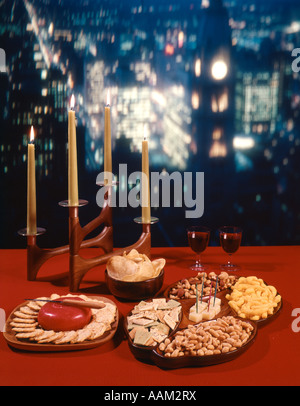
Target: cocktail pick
197	298
202	290
209	296
216	288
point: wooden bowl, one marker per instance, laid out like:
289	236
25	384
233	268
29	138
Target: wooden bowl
134	291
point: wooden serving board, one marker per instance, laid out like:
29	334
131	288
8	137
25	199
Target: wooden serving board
26	345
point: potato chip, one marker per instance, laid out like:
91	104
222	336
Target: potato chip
134	267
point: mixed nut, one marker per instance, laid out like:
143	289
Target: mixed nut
186	288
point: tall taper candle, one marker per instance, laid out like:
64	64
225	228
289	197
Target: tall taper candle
72	157
146	209
107	141
31	187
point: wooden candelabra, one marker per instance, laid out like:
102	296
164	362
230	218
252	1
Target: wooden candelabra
79	266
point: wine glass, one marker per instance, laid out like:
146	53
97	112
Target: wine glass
230	239
198	238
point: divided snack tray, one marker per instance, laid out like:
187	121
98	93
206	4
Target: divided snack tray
155	355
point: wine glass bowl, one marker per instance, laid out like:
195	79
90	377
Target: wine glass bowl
198	238
230	239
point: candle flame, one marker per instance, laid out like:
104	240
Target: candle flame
32	134
108	98
72	103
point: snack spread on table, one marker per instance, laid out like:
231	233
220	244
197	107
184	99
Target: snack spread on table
30	322
214	337
186	288
205	310
134	267
151	322
251	298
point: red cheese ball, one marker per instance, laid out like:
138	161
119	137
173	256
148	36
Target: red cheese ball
59	317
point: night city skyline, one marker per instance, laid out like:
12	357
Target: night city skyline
212	80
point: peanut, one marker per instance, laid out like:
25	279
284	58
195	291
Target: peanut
208	339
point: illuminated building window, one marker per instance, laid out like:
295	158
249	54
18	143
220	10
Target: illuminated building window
219	104
218	150
214	104
223	102
180	39
217	134
198	68
195	100
169	50
219	70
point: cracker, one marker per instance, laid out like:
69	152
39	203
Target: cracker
98	332
50	339
142	336
32	334
104	316
41	303
34	306
22	315
83	334
169	321
55	296
27	310
23	329
25	321
67	337
24	325
45	335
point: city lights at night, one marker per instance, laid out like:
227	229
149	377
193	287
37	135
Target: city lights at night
212	80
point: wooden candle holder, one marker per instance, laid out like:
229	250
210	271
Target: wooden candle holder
36	256
79	266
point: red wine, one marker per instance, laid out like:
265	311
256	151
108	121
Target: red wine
198	240
230	242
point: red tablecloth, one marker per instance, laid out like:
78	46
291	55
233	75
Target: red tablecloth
273	359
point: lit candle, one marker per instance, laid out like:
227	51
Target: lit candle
72	156
146	209
31	187
107	142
